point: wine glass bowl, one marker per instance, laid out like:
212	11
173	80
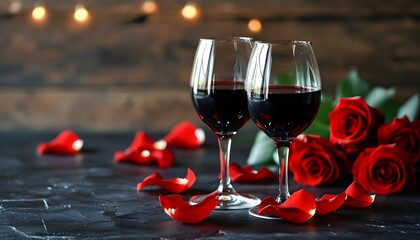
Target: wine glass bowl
220	100
284	93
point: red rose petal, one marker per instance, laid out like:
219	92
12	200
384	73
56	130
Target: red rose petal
266	202
142	151
175	185
141	141
172	201
185	135
66	143
357	196
299	208
164	158
247	174
178	209
329	203
133	157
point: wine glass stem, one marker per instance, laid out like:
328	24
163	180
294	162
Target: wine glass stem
283	152
224	150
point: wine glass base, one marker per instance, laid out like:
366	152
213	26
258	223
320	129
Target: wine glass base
230	201
254	212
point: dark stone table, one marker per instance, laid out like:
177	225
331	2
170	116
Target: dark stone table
88	196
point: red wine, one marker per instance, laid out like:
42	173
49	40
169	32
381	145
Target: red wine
225	109
285	112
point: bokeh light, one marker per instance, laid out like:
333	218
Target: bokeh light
15	6
81	14
149	6
255	25
39	13
190	11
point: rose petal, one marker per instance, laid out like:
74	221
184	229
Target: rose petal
132	157
66	143
247	174
163	158
266	202
182	211
299	208
175	185
141	141
357	196
185	135
142	151
329	203
172	201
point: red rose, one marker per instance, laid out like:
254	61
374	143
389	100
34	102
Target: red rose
315	161
384	170
354	124
404	134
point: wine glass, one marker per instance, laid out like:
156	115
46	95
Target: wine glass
219	97
284	93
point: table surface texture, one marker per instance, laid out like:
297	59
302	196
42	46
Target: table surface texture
88	196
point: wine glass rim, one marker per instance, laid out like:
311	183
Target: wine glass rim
284	42
228	39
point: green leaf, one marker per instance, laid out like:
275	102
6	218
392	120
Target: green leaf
326	106
321	124
379	96
352	85
410	108
286	80
382	99
318	128
390	110
262	150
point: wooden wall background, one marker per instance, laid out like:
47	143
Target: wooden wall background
126	71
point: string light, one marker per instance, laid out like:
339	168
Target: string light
149	6
190	11
39	13
81	14
15	6
254	25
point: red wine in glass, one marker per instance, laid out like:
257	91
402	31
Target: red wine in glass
286	111
219	97
283	87
225	109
